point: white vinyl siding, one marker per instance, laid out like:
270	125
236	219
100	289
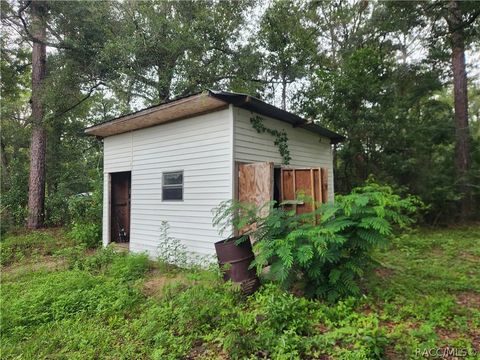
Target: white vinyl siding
205	148
117	153
307	149
117	157
201	147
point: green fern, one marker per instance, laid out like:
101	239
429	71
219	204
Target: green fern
325	259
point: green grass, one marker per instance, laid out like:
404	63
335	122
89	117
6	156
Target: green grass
60	301
27	245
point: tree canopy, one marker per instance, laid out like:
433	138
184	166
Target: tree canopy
384	74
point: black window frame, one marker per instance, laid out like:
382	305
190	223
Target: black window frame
172	186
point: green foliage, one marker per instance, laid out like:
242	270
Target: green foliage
280	137
328	258
185	317
74	256
88	234
106	261
370	71
86	207
85	216
270	324
131	267
171	252
287	37
58	296
14	248
414	301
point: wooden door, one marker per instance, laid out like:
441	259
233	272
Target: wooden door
120	206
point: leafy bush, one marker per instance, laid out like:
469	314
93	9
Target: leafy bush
171	252
271	324
76	258
95	310
87	207
174	257
326	259
89	234
14	193
56	207
85	213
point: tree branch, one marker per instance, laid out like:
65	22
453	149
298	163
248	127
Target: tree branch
83	99
472	18
30	35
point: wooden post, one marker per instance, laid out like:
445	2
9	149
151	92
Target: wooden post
312	185
324	185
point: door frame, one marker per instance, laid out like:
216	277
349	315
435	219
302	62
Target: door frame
111	177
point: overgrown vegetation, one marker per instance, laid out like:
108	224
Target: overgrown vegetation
322	253
17	247
82	304
85	217
378	72
280	138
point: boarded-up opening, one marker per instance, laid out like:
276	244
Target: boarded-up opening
259	183
120	207
312	182
255	186
255	183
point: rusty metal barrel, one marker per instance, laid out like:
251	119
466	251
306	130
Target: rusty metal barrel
234	261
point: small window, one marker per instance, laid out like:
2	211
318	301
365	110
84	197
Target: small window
172	186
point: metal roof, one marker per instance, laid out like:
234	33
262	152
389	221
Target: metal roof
251	103
172	110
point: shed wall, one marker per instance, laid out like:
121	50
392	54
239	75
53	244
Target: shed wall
200	146
205	147
306	148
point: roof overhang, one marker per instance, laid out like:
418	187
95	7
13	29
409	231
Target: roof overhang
202	103
160	114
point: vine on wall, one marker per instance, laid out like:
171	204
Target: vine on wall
280	137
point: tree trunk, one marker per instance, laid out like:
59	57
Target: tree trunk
5	178
462	133
165	76
36	188
284	92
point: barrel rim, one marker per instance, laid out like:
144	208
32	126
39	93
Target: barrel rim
231	239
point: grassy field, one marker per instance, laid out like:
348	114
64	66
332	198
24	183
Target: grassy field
60	301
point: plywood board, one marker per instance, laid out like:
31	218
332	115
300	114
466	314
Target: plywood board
255	183
255	186
303	185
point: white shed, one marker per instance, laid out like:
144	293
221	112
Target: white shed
176	161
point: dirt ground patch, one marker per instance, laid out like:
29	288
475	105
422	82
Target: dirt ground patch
384	272
469	299
157	281
48	263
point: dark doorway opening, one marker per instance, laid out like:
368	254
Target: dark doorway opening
120	207
277	185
